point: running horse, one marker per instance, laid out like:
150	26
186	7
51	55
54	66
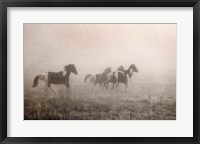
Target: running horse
120	76
98	78
61	77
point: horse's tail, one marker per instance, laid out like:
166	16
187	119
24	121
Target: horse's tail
36	80
86	77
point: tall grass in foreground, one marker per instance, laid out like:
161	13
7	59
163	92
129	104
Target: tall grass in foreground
138	103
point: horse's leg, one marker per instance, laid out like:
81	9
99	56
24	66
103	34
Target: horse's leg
105	84
113	86
92	86
100	84
68	87
67	91
45	91
126	86
95	84
45	80
46	87
117	84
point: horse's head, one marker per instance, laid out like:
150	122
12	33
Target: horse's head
71	68
134	68
107	70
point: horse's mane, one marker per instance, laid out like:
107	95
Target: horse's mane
131	66
68	66
121	68
107	70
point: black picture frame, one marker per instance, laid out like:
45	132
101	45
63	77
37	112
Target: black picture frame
99	3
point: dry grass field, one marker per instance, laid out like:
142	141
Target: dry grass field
142	101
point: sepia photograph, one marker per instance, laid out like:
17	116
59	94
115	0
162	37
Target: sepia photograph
93	71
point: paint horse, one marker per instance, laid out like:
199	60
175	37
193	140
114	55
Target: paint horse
98	78
121	75
61	77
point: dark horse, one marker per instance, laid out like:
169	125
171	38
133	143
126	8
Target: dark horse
98	78
61	77
120	76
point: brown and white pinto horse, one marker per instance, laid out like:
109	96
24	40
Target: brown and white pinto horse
98	78
120	76
61	77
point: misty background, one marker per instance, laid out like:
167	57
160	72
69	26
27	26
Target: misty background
93	47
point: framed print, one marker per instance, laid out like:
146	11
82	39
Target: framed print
100	72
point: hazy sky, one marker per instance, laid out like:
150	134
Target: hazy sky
93	47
